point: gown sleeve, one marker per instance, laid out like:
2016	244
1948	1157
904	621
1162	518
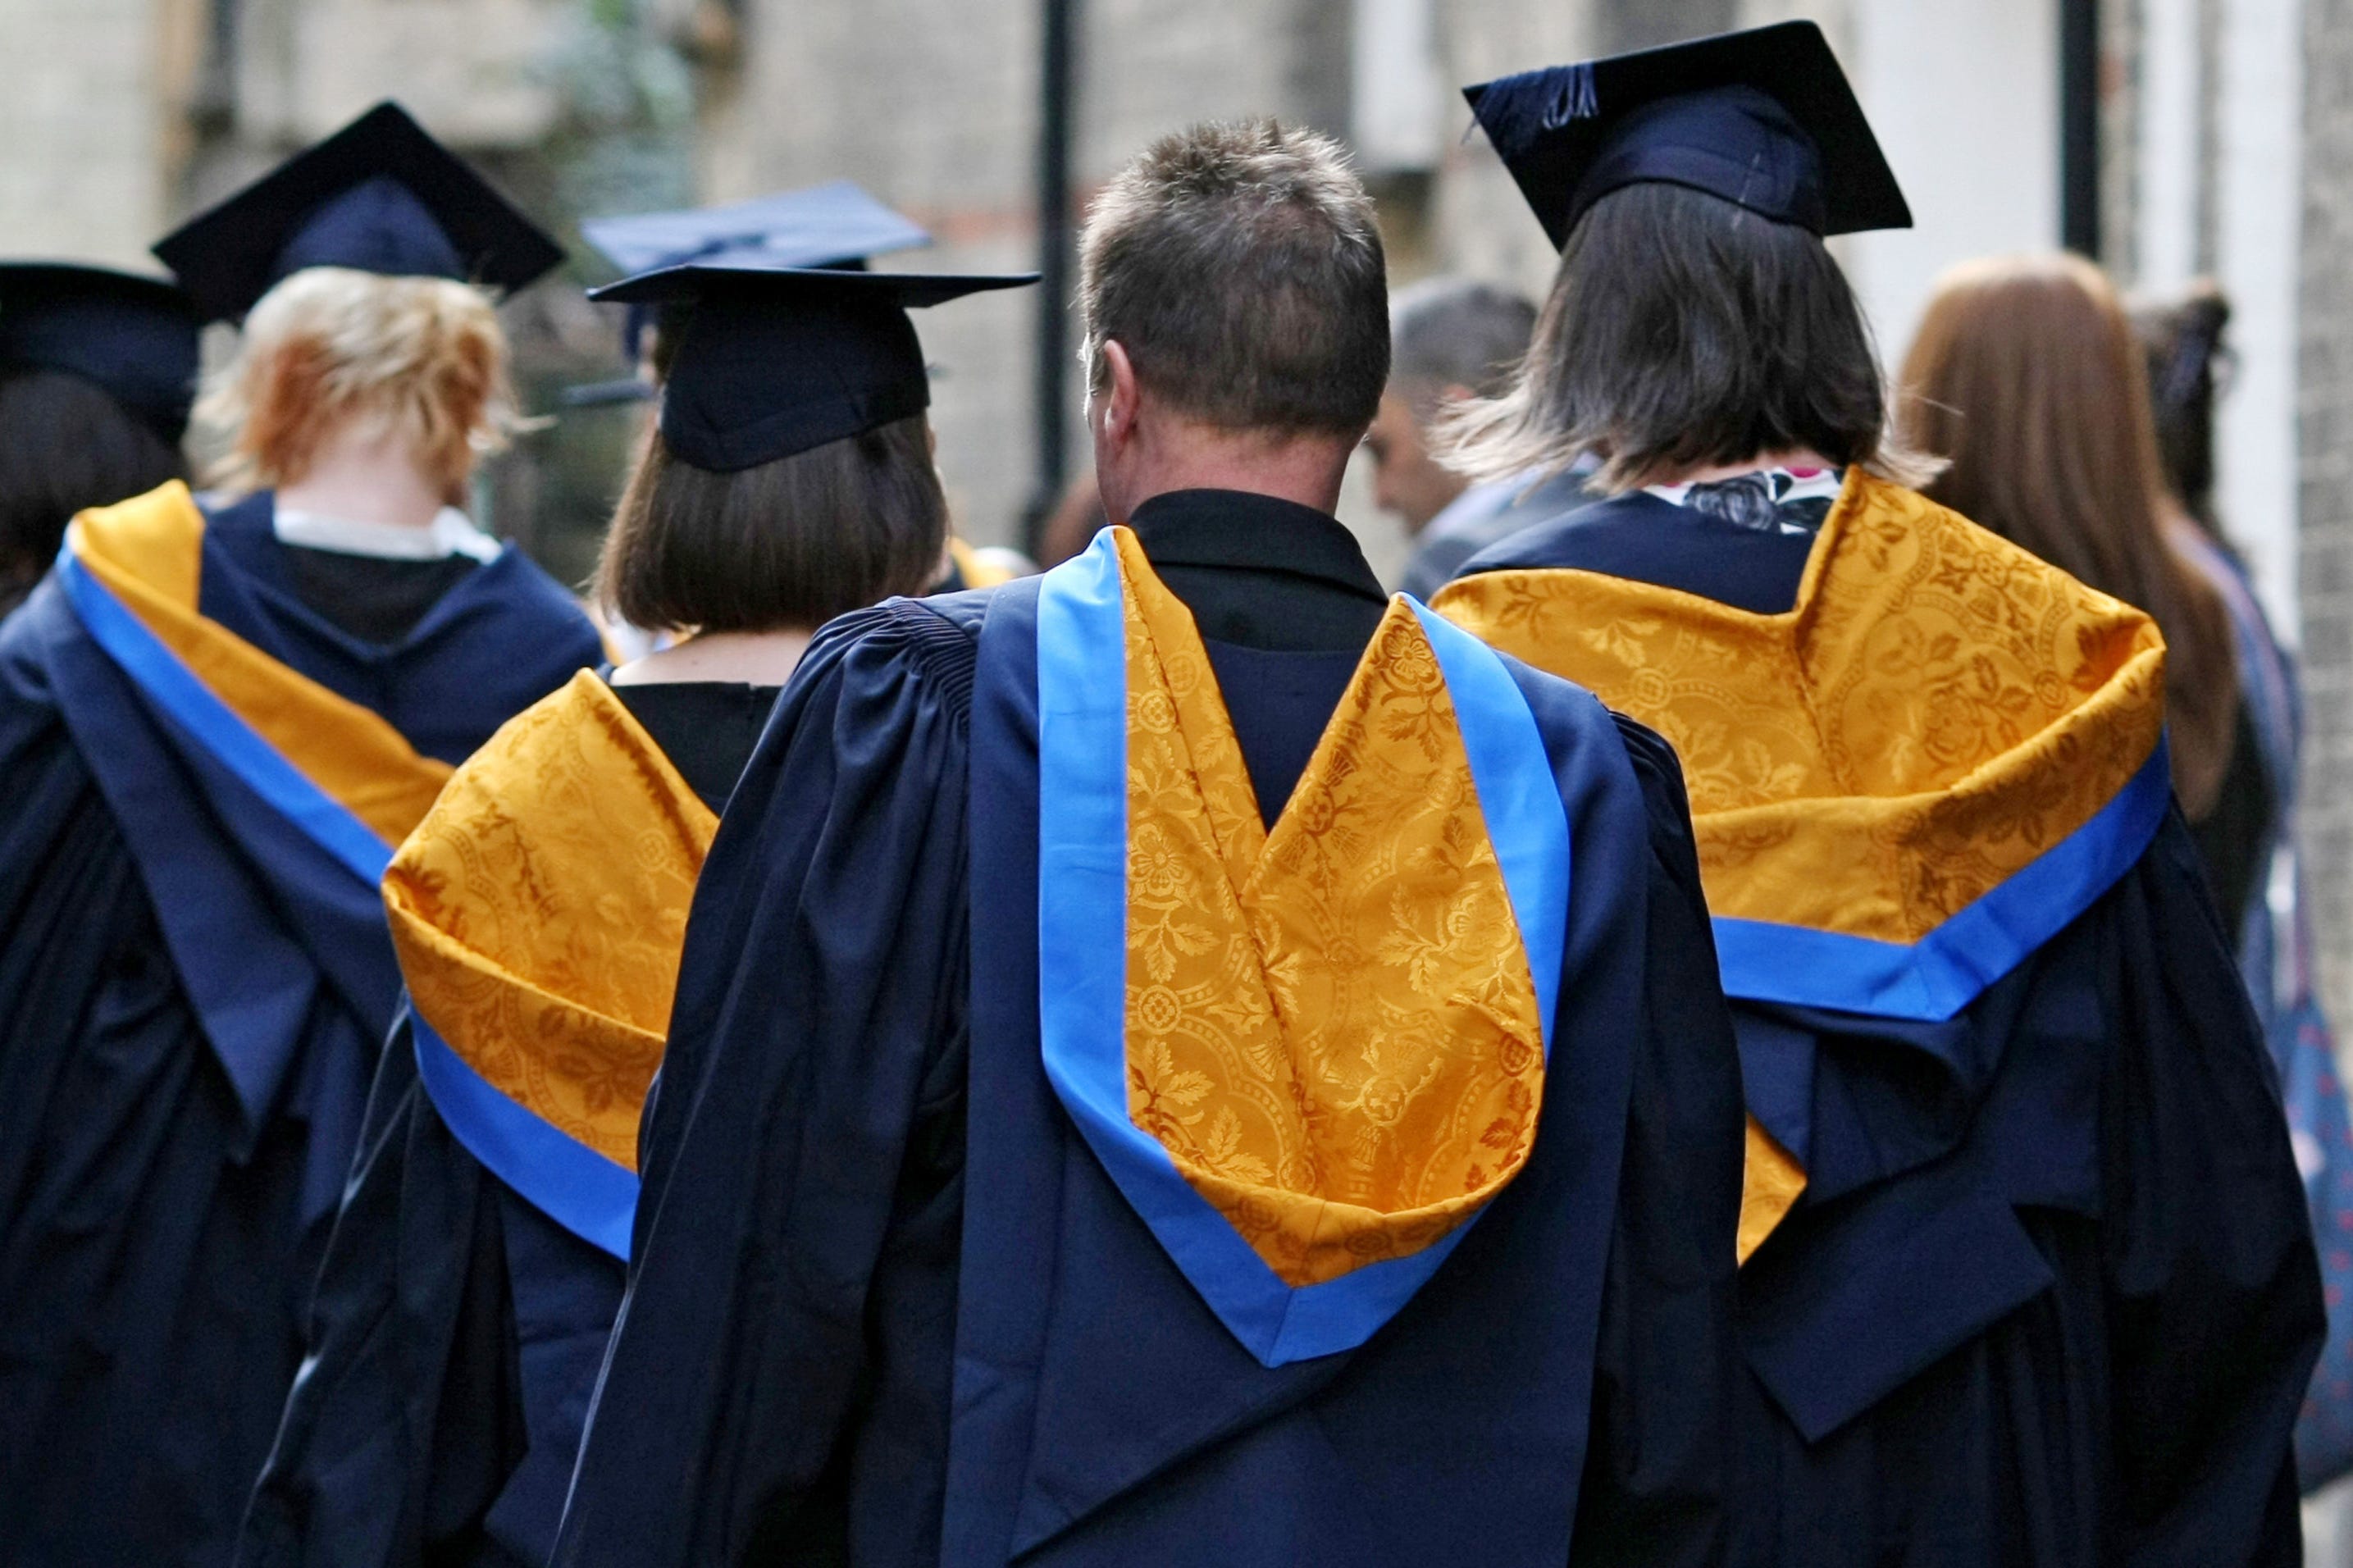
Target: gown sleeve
1658	1465
2213	1286
790	1167
406	1416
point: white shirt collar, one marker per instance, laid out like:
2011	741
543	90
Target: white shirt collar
451	532
1815	484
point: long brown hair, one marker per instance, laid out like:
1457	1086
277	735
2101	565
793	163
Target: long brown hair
2027	378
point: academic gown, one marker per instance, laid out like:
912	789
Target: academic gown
886	1307
2048	1298
192	1000
459	1328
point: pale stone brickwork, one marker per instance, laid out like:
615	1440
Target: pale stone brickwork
2325	440
82	121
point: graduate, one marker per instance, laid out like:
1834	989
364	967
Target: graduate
837	226
1186	1059
2028	1279
98	369
538	910
217	720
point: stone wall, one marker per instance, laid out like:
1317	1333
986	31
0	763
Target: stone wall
2324	441
86	115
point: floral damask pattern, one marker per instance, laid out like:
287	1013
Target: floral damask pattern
540	908
1331	1025
1939	709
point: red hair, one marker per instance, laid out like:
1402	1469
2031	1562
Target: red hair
424	357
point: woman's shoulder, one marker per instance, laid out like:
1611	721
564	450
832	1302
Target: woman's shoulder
928	647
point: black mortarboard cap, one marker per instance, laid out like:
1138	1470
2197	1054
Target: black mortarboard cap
1763	119
823	226
135	337
379	195
776	361
834	224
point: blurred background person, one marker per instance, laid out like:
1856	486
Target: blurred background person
1072	525
539	911
2026	379
217	719
2090	442
98	369
2187	369
1453	338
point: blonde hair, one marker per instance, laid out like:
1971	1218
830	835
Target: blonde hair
330	346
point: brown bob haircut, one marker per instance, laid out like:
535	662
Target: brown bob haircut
2027	378
787	544
1239	266
1685	332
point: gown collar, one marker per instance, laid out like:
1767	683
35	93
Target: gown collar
451	532
1243	530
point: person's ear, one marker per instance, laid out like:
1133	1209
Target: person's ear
1122	396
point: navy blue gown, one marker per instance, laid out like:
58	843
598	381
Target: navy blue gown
2049	1298
192	1003
885	1307
457	1329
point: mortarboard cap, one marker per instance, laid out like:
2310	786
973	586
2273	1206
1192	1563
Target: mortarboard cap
824	226
775	361
834	224
135	337
1763	119
379	195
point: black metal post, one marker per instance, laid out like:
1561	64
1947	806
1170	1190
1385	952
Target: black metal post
2079	126
1055	114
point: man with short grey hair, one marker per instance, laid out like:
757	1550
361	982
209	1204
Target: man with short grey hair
1186	1059
1455	339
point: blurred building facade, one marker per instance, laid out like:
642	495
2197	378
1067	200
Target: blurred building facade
2219	137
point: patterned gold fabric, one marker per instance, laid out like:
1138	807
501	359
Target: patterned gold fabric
1770	1185
1937	710
539	908
1331	1026
148	551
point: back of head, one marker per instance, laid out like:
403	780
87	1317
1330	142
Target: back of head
1240	267
785	544
330	347
2183	340
1684	332
2026	379
65	446
1457	333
